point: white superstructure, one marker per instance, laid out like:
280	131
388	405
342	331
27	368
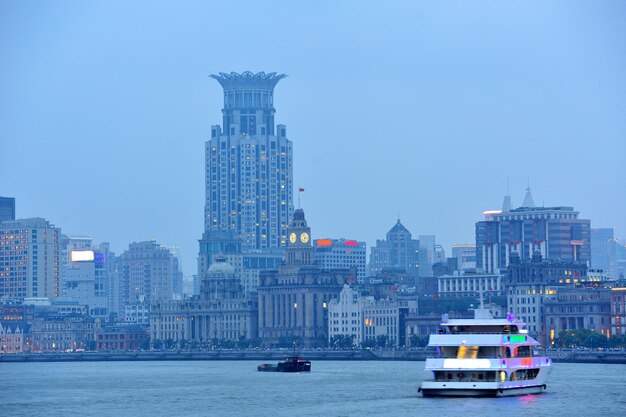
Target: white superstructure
485	357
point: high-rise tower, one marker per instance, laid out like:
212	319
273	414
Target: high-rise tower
249	188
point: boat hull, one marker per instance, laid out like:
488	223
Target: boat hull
482	392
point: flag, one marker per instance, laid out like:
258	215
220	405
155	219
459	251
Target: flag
300	190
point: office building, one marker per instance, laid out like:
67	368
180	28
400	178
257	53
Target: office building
30	259
342	254
147	269
465	255
249	180
556	232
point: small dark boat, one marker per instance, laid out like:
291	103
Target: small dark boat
291	364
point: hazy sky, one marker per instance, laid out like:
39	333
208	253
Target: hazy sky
421	108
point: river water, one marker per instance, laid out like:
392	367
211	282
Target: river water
333	388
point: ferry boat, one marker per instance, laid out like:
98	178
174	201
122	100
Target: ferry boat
484	357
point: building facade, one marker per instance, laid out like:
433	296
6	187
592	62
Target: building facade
556	232
618	310
293	300
249	184
465	255
529	283
121	337
30	259
363	319
222	312
61	333
577	308
342	254
470	285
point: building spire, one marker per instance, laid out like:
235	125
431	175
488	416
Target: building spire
528	199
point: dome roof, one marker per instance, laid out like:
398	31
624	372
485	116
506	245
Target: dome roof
221	267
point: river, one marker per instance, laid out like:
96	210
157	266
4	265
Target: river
235	388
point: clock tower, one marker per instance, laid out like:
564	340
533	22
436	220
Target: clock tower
299	250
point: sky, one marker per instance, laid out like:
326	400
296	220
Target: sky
410	109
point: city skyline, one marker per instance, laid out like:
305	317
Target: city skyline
419	114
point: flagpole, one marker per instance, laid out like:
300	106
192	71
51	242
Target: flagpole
300	189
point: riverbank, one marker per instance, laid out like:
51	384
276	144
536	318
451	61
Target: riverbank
563	356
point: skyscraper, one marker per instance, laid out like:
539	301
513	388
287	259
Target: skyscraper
399	250
30	260
556	232
604	249
249	186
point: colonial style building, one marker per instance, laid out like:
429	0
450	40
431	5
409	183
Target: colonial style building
618	310
14	337
528	283
364	319
469	285
577	308
121	337
220	313
60	333
293	300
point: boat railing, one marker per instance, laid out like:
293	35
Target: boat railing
482	357
500	333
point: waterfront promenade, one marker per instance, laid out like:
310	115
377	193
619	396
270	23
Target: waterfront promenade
562	356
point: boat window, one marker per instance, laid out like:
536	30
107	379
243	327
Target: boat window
523	351
467	352
524	374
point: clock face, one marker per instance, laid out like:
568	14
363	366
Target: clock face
304	237
292	237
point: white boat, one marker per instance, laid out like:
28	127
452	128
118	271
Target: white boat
485	357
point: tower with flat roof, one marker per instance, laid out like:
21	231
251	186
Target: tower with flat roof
554	232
